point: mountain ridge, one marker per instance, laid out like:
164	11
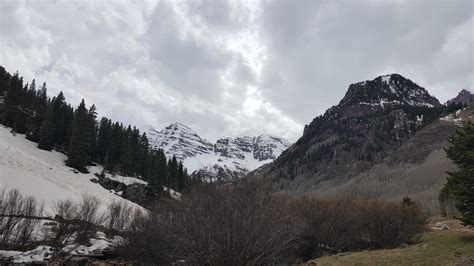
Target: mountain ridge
225	159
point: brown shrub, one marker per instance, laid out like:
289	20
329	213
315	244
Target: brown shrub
243	223
16	230
119	216
349	223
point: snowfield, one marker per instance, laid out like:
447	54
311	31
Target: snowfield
44	175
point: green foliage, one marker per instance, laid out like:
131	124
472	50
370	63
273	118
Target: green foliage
46	133
461	182
79	148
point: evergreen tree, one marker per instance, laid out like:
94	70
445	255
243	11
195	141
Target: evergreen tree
114	147
79	148
181	176
59	118
46	132
126	152
155	186
103	140
12	100
40	109
461	182
92	132
142	156
173	173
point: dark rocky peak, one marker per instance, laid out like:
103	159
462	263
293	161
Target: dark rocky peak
464	96
392	89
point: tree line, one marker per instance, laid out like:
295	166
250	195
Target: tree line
77	132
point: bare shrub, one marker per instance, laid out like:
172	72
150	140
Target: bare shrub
350	223
65	210
16	225
89	217
243	223
119	216
76	219
89	210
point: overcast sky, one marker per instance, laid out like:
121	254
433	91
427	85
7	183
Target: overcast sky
229	68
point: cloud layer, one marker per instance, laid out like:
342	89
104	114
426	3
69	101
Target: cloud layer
230	68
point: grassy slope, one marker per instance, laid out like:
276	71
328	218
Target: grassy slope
453	247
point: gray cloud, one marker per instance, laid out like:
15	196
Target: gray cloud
233	67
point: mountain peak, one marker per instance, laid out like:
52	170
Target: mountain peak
176	126
392	89
464	96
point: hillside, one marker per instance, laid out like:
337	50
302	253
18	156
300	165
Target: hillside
226	159
383	139
43	174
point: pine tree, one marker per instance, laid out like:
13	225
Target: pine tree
59	118
126	152
142	156
92	132
46	132
155	185
173	173
181	177
12	100
79	148
461	182
114	147
103	140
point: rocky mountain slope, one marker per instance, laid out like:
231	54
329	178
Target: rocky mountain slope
464	96
227	158
385	130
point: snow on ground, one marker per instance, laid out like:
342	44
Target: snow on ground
44	253
122	179
173	194
98	244
38	254
210	159
43	174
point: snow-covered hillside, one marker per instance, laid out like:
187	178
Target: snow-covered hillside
228	155
43	174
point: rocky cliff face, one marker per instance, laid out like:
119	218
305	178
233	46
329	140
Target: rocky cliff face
226	159
463	97
374	119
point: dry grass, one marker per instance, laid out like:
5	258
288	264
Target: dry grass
451	247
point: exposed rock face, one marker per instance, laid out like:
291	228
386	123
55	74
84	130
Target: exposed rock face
389	89
228	158
464	96
135	192
372	120
266	147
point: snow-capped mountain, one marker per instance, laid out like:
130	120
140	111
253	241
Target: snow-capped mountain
178	140
225	159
